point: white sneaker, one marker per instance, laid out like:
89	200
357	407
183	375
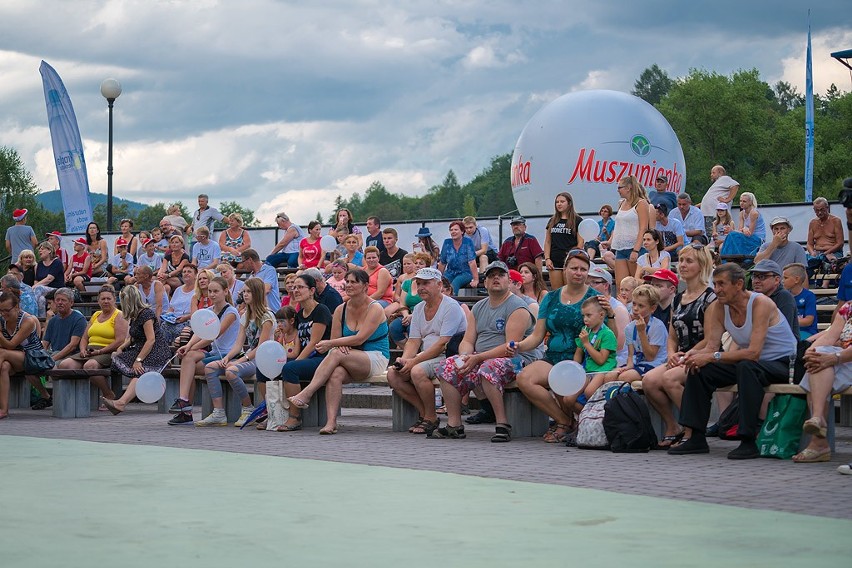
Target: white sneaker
244	414
845	469
213	419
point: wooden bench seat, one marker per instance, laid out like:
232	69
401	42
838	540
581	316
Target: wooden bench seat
73	395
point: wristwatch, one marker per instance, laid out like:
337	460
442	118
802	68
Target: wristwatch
138	359
717	356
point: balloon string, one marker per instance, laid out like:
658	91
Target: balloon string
167	363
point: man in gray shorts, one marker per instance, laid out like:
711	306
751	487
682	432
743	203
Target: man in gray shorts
434	322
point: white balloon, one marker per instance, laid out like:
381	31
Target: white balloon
270	358
328	243
567	378
588	229
150	387
205	324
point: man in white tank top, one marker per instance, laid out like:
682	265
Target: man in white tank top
766	345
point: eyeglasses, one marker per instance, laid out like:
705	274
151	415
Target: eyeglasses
762	275
298	287
597	282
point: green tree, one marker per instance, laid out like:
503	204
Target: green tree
229	207
150	217
119	211
652	85
788	96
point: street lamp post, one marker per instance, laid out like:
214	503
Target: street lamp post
110	89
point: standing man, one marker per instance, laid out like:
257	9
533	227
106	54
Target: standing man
660	193
825	234
266	273
766	345
374	237
723	190
20	236
434	322
205	216
520	247
483	358
486	251
691	218
391	257
287	249
766	280
781	249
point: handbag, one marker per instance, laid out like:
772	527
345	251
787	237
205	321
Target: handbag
779	437
276	405
37	361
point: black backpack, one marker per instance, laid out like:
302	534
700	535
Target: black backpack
627	422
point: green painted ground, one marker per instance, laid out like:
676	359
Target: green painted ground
70	503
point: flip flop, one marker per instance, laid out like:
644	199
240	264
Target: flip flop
110	405
331	432
286	428
810	455
295	401
672	440
815	426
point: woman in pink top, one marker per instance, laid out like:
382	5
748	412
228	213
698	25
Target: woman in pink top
310	251
380	286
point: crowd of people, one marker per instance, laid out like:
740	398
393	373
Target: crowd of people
657	307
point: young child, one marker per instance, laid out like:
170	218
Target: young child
338	277
646	338
148	255
625	291
286	333
596	347
795	278
80	268
162	243
121	266
723	224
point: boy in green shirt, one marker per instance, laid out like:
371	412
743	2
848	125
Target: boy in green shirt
596	347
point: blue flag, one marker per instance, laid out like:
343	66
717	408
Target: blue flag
67	151
809	122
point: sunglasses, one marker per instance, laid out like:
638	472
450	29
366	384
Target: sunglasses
577	252
697	245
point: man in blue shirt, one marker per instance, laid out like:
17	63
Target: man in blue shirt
486	250
266	273
61	338
691	218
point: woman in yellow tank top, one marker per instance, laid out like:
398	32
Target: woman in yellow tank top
107	330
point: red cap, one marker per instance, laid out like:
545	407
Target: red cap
146	241
56	234
81	241
119	242
19	214
516	276
663	274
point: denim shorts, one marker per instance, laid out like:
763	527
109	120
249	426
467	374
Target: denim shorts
624	254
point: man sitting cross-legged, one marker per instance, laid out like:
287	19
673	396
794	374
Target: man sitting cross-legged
434	322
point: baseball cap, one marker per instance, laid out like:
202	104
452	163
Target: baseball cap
518	219
81	241
722	206
516	276
497	265
146	241
779	220
767	265
663	178
119	242
428	274
56	234
598	272
662	207
663	274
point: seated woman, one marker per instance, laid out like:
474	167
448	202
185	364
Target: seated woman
145	348
403	307
313	322
458	258
353	257
748	239
97	249
663	385
20	332
173	264
105	333
533	285
235	285
655	258
178	313
27	264
380	280
357	350
196	354
828	362
234	241
49	274
255	327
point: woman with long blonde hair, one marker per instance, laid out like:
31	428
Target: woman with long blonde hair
752	231
631	221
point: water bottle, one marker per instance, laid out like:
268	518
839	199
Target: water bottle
439	400
517	360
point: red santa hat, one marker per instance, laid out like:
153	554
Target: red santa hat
19	214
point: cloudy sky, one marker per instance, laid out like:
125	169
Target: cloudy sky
284	105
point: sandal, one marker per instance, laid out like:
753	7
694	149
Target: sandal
297	402
672	440
557	433
110	405
810	455
816	426
331	432
502	433
452	432
290	428
425	426
441	409
416	425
